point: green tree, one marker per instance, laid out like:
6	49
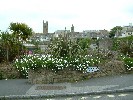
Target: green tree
84	43
124	45
21	31
62	47
115	31
6	43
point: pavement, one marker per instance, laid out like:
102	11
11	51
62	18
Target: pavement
21	89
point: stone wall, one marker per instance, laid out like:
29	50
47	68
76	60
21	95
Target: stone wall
7	71
113	67
46	76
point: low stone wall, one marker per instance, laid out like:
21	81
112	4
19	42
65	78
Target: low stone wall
44	76
47	76
7	71
113	67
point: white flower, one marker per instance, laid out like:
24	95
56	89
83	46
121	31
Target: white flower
23	68
16	60
21	61
59	68
65	61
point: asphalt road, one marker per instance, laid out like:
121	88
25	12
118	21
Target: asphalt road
115	96
21	86
124	80
14	87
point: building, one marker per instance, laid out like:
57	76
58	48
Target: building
45	27
44	38
72	29
62	33
125	32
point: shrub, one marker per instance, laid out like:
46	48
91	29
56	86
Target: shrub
63	53
63	47
1	76
51	63
128	63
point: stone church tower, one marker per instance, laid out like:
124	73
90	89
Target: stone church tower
72	29
45	27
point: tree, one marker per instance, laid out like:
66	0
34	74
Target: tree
6	43
21	31
124	45
63	47
84	43
115	31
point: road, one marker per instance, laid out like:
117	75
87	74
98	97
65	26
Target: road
122	81
20	86
116	96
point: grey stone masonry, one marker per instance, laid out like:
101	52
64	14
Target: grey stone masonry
44	76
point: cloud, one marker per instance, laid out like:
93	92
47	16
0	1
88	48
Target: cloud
84	14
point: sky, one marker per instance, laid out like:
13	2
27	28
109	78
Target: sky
83	14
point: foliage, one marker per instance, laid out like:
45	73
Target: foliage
11	43
124	45
128	63
7	46
2	54
5	43
63	53
21	30
1	76
36	62
115	31
84	43
62	47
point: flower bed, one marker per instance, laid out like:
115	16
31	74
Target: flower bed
48	69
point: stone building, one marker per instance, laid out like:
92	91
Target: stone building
45	27
62	33
72	29
126	31
45	37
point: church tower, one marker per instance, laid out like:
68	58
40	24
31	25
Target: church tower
72	29
45	27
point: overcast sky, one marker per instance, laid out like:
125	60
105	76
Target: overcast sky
83	14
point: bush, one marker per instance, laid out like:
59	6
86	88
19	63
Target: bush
63	47
128	63
1	76
63	53
51	63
